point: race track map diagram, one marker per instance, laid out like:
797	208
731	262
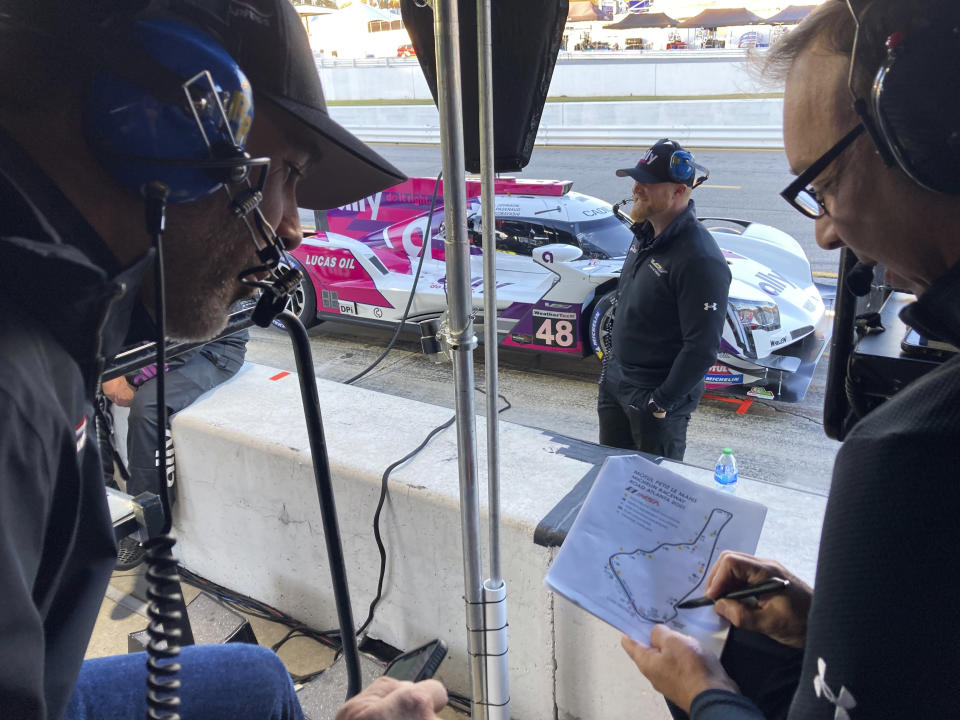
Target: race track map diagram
694	557
644	541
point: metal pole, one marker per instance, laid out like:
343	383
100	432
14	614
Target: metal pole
495	641
461	339
490	337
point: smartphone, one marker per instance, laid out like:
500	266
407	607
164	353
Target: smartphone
418	664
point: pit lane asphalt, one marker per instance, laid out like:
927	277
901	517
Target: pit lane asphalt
777	442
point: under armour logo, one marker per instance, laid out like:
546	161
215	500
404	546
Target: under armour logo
843	701
709	306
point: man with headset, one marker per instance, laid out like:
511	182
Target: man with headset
99	99
671	306
871	129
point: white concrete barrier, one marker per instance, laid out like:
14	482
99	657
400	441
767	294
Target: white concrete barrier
696	123
664	73
248	518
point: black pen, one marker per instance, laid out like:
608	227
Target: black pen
750	591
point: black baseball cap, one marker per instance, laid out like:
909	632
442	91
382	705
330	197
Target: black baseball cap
270	45
654	165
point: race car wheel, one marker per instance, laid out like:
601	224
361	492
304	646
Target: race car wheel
601	325
303	300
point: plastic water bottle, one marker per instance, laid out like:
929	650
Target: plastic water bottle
725	471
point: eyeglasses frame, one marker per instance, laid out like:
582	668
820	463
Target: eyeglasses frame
866	123
803	180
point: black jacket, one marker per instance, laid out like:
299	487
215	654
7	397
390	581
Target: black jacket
882	640
63	308
671	307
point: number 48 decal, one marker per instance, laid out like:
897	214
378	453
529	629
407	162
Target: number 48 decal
559	333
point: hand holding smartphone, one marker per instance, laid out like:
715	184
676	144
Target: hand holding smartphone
418	664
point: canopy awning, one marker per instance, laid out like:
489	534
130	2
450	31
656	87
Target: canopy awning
319	9
722	17
790	15
642	20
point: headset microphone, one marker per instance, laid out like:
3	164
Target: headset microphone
859	279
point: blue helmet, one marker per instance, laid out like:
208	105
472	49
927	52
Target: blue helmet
143	128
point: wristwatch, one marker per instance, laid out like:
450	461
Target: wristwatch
657	411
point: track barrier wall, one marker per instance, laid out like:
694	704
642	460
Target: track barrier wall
742	123
247	517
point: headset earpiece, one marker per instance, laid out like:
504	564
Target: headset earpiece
142	125
916	102
236	168
682	167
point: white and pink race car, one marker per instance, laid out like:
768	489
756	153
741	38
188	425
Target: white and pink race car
559	255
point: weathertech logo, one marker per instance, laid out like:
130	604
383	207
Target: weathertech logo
709	306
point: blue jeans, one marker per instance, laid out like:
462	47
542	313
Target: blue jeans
233	682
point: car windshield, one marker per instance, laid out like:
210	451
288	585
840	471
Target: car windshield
607	236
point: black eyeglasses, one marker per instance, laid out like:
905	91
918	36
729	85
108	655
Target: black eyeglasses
801	194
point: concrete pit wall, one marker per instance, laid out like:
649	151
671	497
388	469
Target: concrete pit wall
667	73
248	518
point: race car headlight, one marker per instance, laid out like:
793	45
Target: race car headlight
755	315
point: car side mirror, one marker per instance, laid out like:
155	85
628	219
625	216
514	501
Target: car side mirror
556	253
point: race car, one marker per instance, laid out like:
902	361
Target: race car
559	255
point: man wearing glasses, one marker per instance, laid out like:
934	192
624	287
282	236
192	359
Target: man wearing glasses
872	129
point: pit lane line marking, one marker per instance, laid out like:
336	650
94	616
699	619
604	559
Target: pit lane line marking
280	375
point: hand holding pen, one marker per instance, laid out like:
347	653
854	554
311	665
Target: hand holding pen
749	592
780	614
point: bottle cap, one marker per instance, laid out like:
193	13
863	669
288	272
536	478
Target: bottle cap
727	451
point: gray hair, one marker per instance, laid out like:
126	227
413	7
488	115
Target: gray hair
831	27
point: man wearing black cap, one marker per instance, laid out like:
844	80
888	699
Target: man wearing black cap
671	306
94	95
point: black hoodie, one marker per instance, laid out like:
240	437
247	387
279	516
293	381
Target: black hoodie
64	307
671	307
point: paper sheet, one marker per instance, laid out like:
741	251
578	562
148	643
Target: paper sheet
644	541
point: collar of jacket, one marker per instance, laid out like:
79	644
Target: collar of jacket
58	271
936	313
643	232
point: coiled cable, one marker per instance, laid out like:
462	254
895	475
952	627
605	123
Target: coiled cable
169	626
163	648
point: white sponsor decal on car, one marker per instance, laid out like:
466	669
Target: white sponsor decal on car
537	312
373	202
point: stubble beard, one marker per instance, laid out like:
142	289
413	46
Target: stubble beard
205	250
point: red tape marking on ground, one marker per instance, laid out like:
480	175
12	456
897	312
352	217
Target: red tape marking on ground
285	373
744	405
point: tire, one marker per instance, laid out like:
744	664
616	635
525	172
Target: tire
601	325
303	300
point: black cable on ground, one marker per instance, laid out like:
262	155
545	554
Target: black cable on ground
329	638
788	412
376	516
427	243
263	611
383	496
